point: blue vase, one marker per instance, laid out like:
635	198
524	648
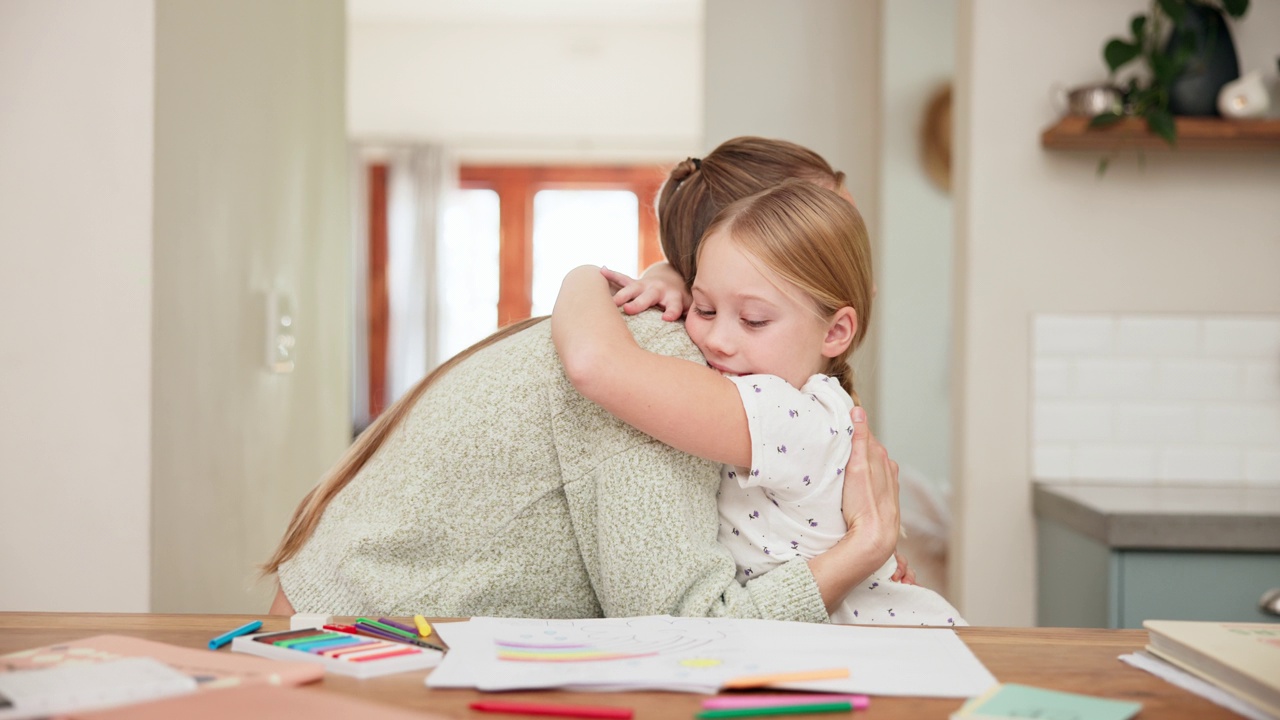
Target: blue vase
1213	62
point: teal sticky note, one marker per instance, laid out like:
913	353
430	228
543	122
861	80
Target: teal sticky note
1024	701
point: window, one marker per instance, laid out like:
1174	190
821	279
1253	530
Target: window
552	218
508	236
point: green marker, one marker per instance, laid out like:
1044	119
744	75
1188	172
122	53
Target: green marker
387	628
778	710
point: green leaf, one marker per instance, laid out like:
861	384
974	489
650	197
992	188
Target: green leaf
1175	9
1119	52
1160	122
1139	26
1236	8
1164	69
1105	119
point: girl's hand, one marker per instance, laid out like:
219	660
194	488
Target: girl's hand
660	286
870	500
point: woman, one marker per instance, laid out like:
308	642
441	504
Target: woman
494	488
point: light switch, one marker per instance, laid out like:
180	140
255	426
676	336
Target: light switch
281	342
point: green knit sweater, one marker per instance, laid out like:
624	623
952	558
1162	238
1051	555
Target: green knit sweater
506	493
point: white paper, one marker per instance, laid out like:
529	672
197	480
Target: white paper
1185	680
701	654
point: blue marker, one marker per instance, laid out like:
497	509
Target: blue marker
226	637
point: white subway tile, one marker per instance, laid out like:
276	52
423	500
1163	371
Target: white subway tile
1246	424
1155	336
1072	335
1261	381
1262	466
1240	337
1115	379
1071	420
1156	422
1183	380
1115	462
1052	378
1051	461
1196	463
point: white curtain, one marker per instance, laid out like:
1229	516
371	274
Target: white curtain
419	178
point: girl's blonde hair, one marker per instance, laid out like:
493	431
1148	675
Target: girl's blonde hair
699	188
814	239
693	193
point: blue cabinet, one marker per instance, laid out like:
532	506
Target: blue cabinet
1111	556
1084	583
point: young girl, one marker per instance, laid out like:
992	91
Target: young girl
781	298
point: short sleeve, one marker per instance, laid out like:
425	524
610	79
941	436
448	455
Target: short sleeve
797	436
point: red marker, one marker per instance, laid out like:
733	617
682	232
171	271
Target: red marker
577	711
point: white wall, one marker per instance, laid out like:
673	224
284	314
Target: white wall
914	268
805	71
250	196
161	166
1039	231
525	89
75	299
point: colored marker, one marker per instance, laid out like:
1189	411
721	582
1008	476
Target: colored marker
226	637
370	631
729	702
413	632
752	681
577	711
777	710
383	626
424	627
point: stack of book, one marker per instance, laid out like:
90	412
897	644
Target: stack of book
1242	659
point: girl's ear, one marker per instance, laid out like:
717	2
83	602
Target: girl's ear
841	329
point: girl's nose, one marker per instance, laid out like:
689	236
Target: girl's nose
719	338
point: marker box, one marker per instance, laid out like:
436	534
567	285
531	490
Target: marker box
343	653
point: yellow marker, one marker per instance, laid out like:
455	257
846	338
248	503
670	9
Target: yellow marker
753	681
424	627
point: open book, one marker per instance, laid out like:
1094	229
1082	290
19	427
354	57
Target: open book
1242	658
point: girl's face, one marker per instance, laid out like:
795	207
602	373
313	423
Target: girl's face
748	321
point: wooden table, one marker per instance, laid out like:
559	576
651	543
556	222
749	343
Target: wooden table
1074	660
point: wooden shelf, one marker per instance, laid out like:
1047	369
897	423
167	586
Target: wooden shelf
1194	133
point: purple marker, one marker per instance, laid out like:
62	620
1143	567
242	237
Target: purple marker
400	626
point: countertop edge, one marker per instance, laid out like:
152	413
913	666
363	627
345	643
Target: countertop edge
1157	530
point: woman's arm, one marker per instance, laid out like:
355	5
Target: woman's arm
871	511
281	605
687	406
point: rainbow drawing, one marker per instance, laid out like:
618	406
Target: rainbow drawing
524	652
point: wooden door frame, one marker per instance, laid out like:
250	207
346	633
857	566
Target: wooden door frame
516	186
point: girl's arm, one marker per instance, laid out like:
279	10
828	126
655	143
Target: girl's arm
659	286
687	406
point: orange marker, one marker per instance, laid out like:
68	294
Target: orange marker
753	681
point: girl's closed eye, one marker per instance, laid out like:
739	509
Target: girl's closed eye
703	312
754	324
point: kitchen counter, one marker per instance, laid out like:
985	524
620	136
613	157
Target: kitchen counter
1114	555
1233	518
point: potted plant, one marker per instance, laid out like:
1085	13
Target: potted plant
1188	55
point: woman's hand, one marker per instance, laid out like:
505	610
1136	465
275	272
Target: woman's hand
659	286
870	500
870	507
